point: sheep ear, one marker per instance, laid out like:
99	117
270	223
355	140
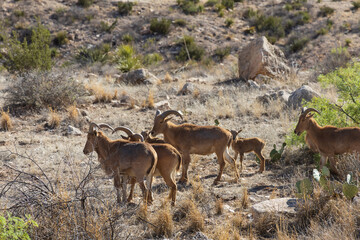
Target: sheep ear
239	131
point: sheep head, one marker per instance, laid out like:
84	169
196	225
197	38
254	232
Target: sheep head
91	142
234	133
161	119
304	120
131	136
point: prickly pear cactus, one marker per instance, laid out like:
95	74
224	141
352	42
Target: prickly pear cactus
350	190
304	187
275	154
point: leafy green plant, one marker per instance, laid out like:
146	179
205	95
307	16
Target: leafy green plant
180	22
190	50
127	38
126	58
221	52
85	3
296	44
105	27
22	57
250	13
95	54
228	4
326	11
356	5
19	13
61	38
161	26
271	25
211	3
322	31
152	58
190	7
275	154
229	22
124	8
12	227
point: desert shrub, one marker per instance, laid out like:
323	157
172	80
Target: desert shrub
302	18
23	56
228	4
12	227
190	50
124	8
105	27
296	44
127	38
356	5
345	111
85	3
295	5
61	38
161	26
164	222
5	120
190	7
338	57
221	52
19	13
126	58
322	31
229	22
95	54
211	3
250	13
271	25
43	89
326	11
180	22
347	42
152	58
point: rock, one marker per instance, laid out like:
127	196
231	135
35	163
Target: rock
188	88
73	131
162	105
252	84
138	76
296	97
260	57
285	206
84	113
200	236
2	143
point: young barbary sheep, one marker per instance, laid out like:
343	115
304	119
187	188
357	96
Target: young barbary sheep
246	145
122	158
169	161
327	140
194	139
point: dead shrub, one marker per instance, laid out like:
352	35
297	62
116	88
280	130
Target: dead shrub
150	102
163	223
188	211
5	122
244	201
73	113
265	224
168	78
219	206
54	119
43	89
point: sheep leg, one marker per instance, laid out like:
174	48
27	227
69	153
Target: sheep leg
117	184
333	169
222	165
124	185
231	161
185	166
132	182
241	161
149	179
262	161
323	160
169	180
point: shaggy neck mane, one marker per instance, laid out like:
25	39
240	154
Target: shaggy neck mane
105	144
314	127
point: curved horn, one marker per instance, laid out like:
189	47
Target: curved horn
306	111
167	113
91	127
125	129
138	137
104	125
158	112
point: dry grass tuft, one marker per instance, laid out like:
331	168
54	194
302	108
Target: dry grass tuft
164	225
168	78
219	206
141	213
73	113
238	221
101	95
188	211
265	224
244	201
6	123
54	118
257	109
198	189
150	101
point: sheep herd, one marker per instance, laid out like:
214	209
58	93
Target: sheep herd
139	157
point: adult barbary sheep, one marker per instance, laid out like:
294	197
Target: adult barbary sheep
327	140
246	145
194	139
169	161
122	158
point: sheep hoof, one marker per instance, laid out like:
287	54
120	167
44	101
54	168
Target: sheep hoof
182	181
216	182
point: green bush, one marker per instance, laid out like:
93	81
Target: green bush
152	59
189	49
302	18
229	22
85	3
180	22
338	57
322	31
190	7
325	11
16	228
43	89
228	4
222	52
19	13
296	44
271	25
22	57
356	5
345	112
126	58
105	27
127	38
96	54
250	13
161	26
61	38
211	3
124	8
